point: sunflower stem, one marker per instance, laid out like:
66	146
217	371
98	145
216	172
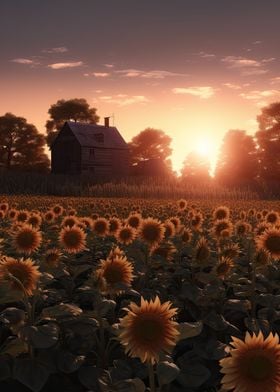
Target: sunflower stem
151	377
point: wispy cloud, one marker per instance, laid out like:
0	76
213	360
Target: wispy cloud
275	80
66	65
205	55
109	65
60	49
124	99
153	74
259	95
247	66
232	86
24	61
204	92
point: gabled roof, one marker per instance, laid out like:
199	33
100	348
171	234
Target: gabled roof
85	134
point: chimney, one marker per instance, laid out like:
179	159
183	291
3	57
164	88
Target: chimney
107	122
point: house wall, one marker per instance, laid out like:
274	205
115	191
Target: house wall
66	153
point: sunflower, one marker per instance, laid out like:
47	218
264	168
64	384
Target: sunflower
22	275
4	207
165	250
170	230
182	204
69	220
22	216
202	251
49	217
87	222
52	257
241	228
270	241
151	231
224	267
35	220
232	251
272	217
12	214
254	364
197	221
176	222
114	272
186	236
148	329
27	239
101	227
221	225
221	213
126	235
263	258
134	220
72	239
261	228
115	224
57	210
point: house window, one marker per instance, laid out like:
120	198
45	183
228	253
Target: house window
91	153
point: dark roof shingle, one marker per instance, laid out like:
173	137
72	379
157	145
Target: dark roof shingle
85	134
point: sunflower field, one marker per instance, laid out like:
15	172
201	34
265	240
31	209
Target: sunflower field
134	295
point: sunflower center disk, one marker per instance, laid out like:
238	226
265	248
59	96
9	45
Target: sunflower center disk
259	368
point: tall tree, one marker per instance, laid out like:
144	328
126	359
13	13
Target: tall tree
196	168
76	109
268	140
237	164
150	144
21	145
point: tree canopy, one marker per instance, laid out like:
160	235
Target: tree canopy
196	168
76	109
150	144
268	140
21	145
237	164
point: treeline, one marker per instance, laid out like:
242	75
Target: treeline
244	160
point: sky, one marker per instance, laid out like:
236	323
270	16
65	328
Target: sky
192	68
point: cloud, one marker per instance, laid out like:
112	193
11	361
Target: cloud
203	92
124	99
154	74
60	49
24	61
66	65
109	65
257	42
205	55
275	80
101	74
240	62
232	86
254	72
260	95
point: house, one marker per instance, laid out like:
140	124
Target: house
98	151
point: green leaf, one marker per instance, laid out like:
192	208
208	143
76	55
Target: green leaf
61	311
167	372
193	376
69	363
88	376
14	347
189	330
130	385
43	336
30	373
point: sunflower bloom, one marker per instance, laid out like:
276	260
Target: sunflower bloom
114	272
22	275
151	231
148	329
126	235
27	239
270	241
72	239
254	364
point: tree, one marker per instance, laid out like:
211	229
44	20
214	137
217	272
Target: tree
76	109
21	145
237	164
150	144
268	140
196	168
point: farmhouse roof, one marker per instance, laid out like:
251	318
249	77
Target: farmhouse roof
88	135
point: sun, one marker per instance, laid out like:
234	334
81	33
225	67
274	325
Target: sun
204	147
